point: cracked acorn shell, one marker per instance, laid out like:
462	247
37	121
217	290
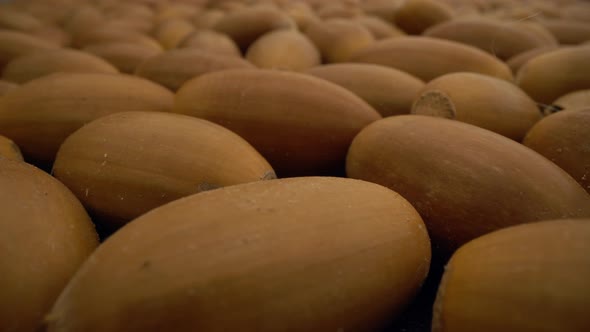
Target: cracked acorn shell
531	277
300	254
46	235
301	124
39	115
125	164
480	100
464	181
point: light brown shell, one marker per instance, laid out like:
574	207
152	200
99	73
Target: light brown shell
211	41
125	164
568	31
246	25
39	64
46	235
531	277
574	100
517	61
175	67
172	32
5	87
301	124
388	90
39	115
9	150
125	56
480	100
463	180
501	39
428	58
302	254
14	44
379	28
338	40
415	16
564	138
284	49
548	76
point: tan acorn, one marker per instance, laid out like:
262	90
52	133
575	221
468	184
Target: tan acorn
464	181
284	49
428	58
232	258
301	124
175	67
531	277
39	64
39	115
46	236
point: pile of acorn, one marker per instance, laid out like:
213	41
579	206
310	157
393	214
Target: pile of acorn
295	165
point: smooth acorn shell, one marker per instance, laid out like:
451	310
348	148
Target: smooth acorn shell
501	39
9	150
245	26
172	32
480	100
301	254
302	125
39	115
338	40
39	64
531	277
285	50
5	87
517	61
428	58
211	41
46	235
379	28
125	56
14	44
125	164
388	90
464	181
415	16
551	75
564	138
574	100
568	32
175	67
